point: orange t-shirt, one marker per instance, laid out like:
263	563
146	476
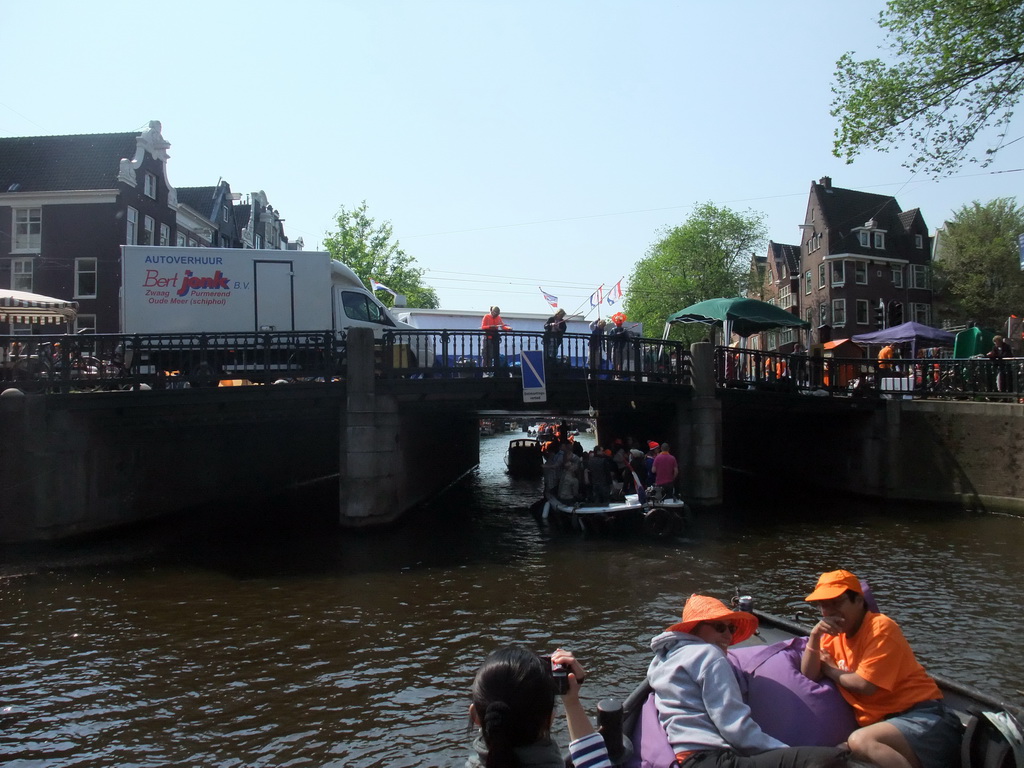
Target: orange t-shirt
881	655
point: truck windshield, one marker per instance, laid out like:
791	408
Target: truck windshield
361	307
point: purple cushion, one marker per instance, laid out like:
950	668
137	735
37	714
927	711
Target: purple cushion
788	705
650	742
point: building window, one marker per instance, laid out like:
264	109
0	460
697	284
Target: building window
786	297
192	242
809	316
21	275
823	313
28	228
180	239
919	276
860	270
148	230
226	213
821	275
919	241
807	283
85	278
782	272
131	236
879	239
897	277
149	185
838	312
921	313
865	238
259	241
165	235
786	336
863	311
85	324
838	273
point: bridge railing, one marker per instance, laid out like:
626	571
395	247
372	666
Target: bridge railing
470	354
976	377
82	362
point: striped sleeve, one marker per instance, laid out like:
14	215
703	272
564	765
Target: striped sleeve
589	752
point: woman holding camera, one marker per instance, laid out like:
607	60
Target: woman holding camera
514	707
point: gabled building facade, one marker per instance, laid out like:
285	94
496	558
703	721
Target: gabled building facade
864	263
68	204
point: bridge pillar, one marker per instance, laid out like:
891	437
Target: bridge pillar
701	433
369	438
394	456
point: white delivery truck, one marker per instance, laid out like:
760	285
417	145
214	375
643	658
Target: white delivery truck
173	290
221	290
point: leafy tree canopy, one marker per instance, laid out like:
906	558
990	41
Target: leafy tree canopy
956	69
368	250
705	258
977	275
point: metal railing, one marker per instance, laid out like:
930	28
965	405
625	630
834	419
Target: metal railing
472	354
89	362
971	378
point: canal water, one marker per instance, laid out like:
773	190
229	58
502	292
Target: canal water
279	641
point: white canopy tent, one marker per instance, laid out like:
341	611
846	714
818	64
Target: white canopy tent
33	309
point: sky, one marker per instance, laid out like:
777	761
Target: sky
513	145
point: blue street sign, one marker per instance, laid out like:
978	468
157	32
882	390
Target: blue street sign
534	385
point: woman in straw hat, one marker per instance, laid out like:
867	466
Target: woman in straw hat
514	706
699	701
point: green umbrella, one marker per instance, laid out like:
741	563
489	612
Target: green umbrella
743	316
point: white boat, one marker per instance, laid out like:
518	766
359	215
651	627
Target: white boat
661	518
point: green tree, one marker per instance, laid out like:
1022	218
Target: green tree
956	69
368	250
704	258
978	275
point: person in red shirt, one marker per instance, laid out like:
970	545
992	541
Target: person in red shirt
491	325
903	723
666	470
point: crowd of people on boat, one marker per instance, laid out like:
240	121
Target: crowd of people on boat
901	721
606	474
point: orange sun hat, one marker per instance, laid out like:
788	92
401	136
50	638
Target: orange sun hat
703	608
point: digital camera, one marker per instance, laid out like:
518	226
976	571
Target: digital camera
559	674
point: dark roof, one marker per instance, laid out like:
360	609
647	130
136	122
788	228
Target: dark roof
845	209
789	254
199	199
52	163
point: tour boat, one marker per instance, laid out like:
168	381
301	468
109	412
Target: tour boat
659	517
524	457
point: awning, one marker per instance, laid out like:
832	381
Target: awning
33	309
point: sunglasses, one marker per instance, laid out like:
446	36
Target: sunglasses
721	626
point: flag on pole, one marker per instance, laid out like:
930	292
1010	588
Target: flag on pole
381	287
614	293
597	296
552	300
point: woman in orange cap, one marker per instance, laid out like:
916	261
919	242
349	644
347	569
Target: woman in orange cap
699	701
897	704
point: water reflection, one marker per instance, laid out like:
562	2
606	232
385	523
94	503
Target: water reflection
290	643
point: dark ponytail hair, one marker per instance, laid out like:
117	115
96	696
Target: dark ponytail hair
513	698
